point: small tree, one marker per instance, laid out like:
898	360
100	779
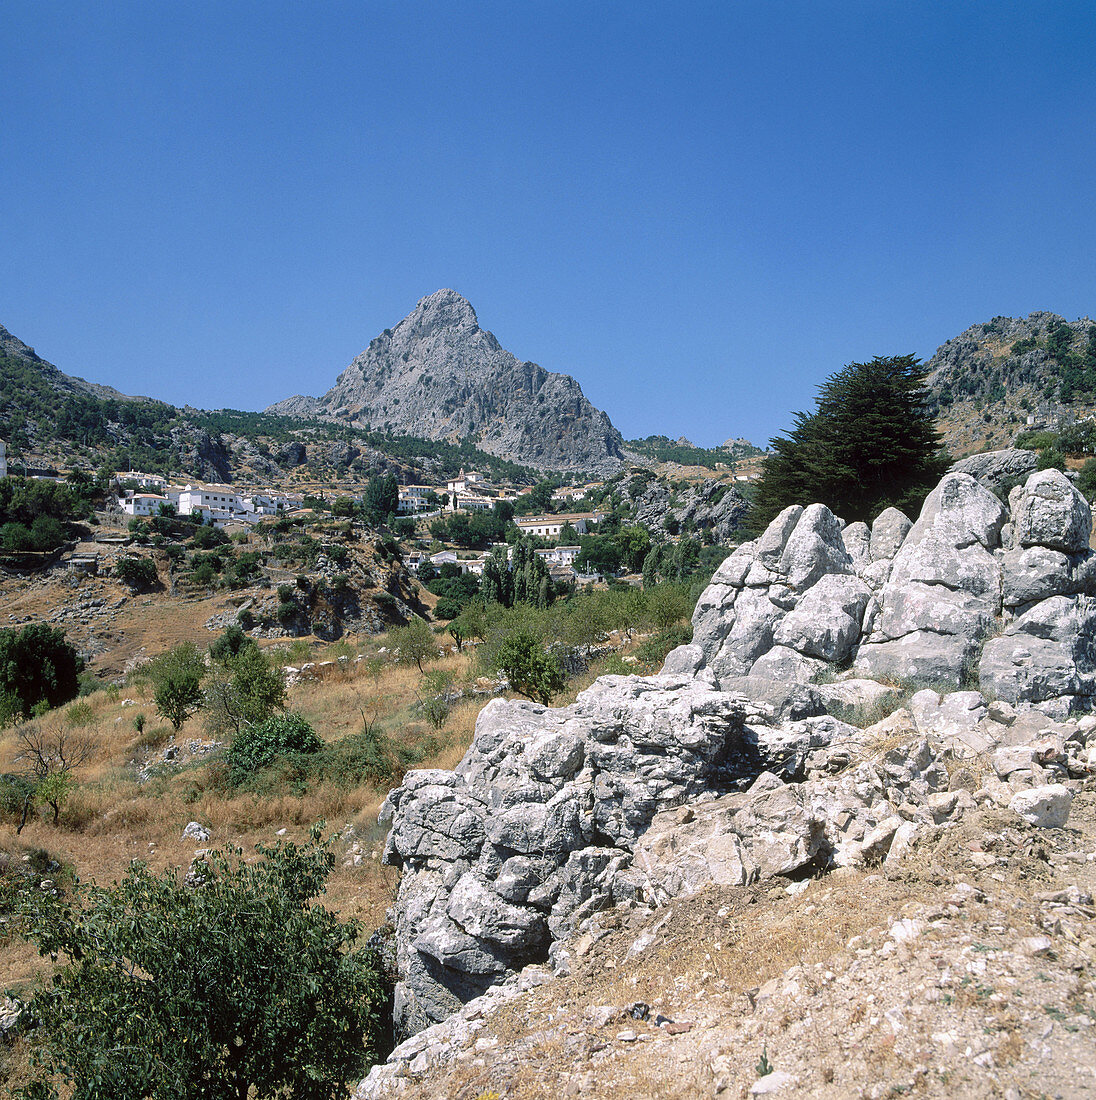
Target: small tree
177	682
239	986
531	670
416	643
244	689
49	759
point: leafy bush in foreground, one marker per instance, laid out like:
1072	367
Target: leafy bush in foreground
235	985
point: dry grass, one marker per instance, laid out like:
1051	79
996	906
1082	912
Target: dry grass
111	818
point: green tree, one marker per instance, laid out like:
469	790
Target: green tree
240	987
382	496
870	444
416	643
531	670
37	667
177	682
245	688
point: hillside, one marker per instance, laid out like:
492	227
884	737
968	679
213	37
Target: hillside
996	378
438	374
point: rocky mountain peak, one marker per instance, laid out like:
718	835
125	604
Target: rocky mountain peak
438	375
444	309
13	346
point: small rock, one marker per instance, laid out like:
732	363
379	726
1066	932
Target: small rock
195	831
1037	946
1045	807
627	1036
773	1082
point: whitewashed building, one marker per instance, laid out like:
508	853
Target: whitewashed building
143	504
549	527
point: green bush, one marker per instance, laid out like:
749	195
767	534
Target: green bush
368	757
136	572
38	667
256	747
244	987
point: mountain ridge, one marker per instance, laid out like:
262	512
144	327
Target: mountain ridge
997	378
442	375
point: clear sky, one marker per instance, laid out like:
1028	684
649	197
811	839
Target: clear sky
699	210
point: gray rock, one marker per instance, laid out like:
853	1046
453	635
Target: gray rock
1045	807
195	830
814	548
528	834
1035	573
826	621
857	540
963	511
1052	513
1047	653
997	468
888	532
783	665
944	589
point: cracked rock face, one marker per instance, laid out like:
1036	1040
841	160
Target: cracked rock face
532	830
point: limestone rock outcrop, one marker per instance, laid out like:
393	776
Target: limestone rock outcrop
725	767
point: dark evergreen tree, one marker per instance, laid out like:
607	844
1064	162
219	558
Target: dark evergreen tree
870	444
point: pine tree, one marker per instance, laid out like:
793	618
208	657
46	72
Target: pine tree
869	445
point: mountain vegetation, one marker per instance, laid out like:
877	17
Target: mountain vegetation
660	448
996	378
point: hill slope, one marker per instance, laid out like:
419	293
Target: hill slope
439	375
993	379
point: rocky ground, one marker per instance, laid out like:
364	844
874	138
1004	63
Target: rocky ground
766	871
967	968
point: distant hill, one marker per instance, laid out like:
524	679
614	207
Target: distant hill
661	448
997	378
439	375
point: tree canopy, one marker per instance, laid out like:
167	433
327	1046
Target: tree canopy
39	669
870	444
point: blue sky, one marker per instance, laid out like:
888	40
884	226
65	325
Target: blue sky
700	210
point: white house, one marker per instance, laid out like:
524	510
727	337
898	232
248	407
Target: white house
152	482
143	504
549	527
559	555
472	502
413	498
216	502
466	482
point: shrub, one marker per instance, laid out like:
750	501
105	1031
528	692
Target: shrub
137	573
244	987
37	666
369	756
256	747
